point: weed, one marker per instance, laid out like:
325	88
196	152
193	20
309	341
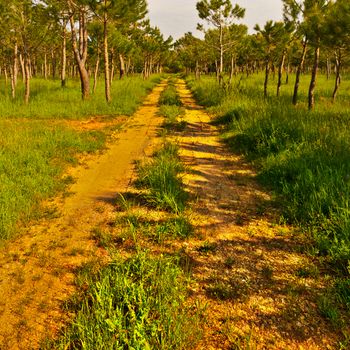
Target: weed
308	271
135	304
207	247
328	309
160	177
178	227
342	291
170	97
229	262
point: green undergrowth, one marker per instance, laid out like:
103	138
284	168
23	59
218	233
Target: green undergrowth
138	303
32	159
303	156
161	178
170	96
49	100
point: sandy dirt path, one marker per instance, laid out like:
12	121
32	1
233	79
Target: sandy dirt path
37	269
249	271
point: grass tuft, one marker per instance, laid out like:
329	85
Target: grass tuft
136	304
161	178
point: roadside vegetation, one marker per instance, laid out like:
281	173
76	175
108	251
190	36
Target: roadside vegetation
37	147
303	156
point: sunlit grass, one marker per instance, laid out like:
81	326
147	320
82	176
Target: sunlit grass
49	100
304	156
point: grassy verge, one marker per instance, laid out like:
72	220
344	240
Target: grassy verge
34	154
49	100
32	158
303	156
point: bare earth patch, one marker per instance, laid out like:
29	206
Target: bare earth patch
37	270
246	266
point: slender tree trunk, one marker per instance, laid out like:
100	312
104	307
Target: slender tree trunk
328	68
97	67
81	56
13	84
64	55
112	66
54	65
122	66
267	73
280	73
232	70
6	76
338	60
128	66
197	70
217	68
26	79
45	66
21	60
298	73
287	73
314	78
106	56
15	65
221	66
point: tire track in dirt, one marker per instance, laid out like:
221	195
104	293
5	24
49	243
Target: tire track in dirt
37	270
245	264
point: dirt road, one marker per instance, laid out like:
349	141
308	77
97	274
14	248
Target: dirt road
37	269
248	269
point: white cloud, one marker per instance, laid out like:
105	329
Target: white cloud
176	17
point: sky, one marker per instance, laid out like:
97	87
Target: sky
176	17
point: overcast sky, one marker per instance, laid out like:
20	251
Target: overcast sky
176	17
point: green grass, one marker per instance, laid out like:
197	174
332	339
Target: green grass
170	97
32	158
161	179
49	100
303	156
35	149
134	304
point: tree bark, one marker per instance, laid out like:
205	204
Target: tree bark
45	66
106	56
221	67
21	60
26	79
15	64
13	85
122	66
338	61
267	73
80	53
97	66
64	55
280	73
298	73
314	78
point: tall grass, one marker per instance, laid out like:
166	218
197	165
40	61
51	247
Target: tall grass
134	304
304	156
49	100
161	179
